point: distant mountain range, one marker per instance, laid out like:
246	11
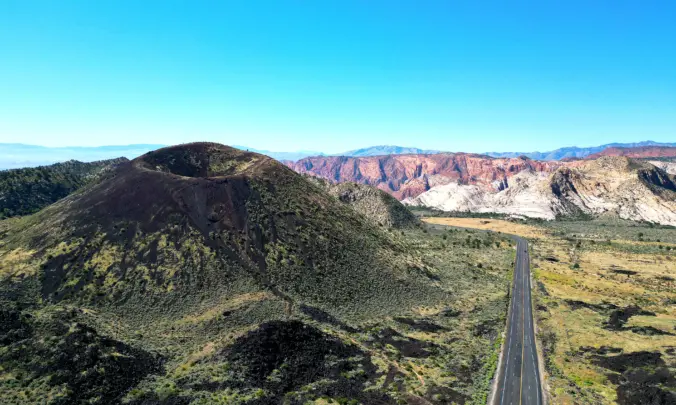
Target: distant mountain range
386	150
16	155
637	152
292	156
575	152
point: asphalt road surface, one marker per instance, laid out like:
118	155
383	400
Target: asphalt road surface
519	377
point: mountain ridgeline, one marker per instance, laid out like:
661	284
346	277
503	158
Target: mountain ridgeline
575	152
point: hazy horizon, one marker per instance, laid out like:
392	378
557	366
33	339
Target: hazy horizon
365	146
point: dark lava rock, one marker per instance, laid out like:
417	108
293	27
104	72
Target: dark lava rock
296	352
423	325
619	317
408	347
71	353
642	378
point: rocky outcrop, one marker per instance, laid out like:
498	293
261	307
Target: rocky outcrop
669	167
528	194
407	176
609	186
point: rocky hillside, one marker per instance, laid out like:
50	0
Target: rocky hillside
204	274
668	166
25	191
407	176
638	152
375	205
614	186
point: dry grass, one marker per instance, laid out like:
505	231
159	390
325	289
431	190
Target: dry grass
14	263
589	273
496	225
231	304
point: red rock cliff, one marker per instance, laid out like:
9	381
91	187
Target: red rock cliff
410	175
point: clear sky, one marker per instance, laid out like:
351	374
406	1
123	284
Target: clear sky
336	75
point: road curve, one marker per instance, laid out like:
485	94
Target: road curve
518	379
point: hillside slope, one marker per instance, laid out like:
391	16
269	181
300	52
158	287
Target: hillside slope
203	274
25	191
375	205
614	186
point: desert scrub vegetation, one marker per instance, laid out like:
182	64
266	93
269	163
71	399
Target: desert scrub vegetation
611	229
204	350
184	267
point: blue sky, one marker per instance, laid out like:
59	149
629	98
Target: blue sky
338	75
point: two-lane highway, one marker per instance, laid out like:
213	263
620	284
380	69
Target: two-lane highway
518	379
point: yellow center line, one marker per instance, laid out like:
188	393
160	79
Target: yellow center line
523	332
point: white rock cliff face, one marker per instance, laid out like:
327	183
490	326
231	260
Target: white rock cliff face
612	186
669	167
